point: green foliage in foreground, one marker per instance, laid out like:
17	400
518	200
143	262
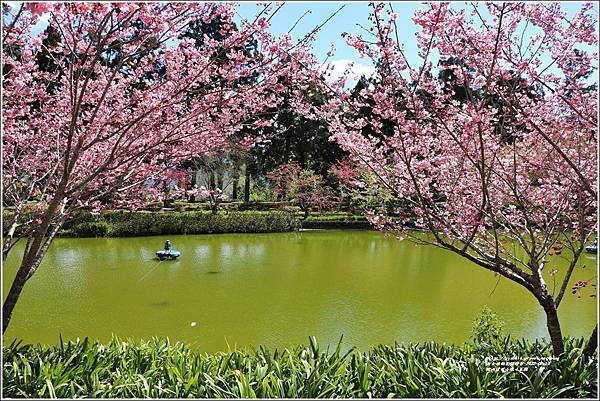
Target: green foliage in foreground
487	328
160	369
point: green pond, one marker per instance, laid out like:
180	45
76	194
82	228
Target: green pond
241	290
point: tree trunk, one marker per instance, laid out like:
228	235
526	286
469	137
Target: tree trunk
212	184
9	240
220	180
305	209
214	204
247	185
29	265
192	198
592	344
33	257
13	295
234	188
553	325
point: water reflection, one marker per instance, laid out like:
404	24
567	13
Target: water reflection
272	289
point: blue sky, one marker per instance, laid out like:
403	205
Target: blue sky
354	13
349	19
346	20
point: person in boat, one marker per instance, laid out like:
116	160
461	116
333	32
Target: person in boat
168	246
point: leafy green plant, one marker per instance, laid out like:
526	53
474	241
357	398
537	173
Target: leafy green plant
161	369
127	224
487	328
90	229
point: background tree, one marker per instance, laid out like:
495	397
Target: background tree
213	196
301	186
359	187
289	137
170	185
294	137
494	172
215	166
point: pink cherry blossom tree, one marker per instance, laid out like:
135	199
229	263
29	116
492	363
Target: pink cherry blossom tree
111	95
213	196
301	186
169	186
498	163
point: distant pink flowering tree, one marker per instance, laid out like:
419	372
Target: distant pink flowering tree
303	187
345	172
170	185
111	95
281	177
213	196
494	150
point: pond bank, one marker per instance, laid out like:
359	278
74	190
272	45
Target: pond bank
120	223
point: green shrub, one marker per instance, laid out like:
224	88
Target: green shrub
81	217
235	217
487	328
262	206
336	217
8	214
90	229
160	369
128	224
340	220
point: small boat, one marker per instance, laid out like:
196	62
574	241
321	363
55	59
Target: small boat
167	253
162	255
593	247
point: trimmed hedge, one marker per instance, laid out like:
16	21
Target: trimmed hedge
336	220
160	369
129	224
337	217
121	223
235	206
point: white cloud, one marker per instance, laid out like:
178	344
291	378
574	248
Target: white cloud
42	22
13	4
340	66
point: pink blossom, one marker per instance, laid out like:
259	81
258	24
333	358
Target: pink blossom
503	153
37	8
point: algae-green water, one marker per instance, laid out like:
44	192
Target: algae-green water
243	290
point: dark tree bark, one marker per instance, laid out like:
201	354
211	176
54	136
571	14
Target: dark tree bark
553	325
13	295
32	258
305	208
220	179
234	189
211	180
192	198
247	185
